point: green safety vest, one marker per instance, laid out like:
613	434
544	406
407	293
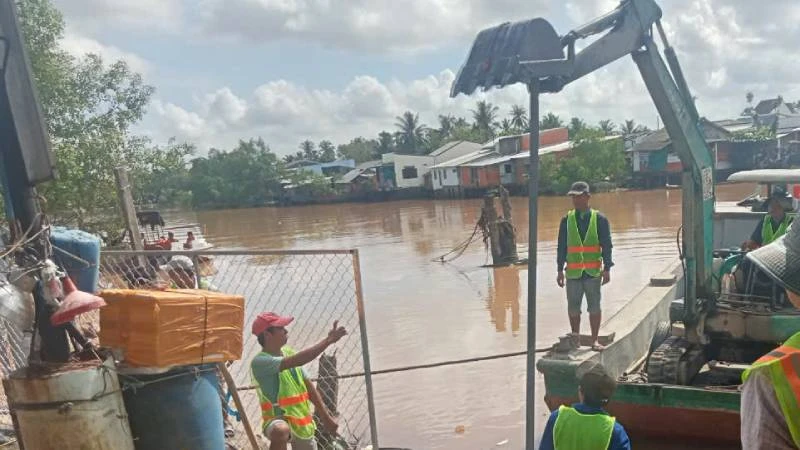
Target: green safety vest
782	367
768	234
292	400
583	255
576	431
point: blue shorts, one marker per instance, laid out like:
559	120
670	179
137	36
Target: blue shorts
576	289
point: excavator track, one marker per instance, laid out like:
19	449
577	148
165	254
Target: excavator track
664	364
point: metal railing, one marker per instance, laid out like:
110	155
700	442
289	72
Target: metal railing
315	287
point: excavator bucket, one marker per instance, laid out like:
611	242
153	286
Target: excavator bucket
498	55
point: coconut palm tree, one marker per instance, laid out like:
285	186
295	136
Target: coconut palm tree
309	150
519	117
576	125
607	127
550	121
484	116
446	125
507	127
411	134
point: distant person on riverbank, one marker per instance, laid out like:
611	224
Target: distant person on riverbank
771	392
284	390
189	240
587	425
584	246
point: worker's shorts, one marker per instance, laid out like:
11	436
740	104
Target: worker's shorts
295	443
576	290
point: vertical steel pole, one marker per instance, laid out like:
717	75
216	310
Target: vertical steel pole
533	215
362	324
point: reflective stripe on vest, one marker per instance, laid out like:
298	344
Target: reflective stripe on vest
768	234
782	368
583	254
576	431
292	400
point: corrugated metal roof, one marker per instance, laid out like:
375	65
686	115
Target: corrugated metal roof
499	159
461	160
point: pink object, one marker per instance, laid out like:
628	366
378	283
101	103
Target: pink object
75	303
269	319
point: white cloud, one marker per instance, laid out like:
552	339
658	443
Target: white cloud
368	25
138	15
79	46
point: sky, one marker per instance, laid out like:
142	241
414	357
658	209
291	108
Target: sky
290	70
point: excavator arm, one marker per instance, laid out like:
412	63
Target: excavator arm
522	52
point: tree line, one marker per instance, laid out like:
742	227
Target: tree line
91	106
412	136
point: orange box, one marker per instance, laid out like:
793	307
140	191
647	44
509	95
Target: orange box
172	327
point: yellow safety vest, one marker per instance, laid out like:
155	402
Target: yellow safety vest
583	254
768	234
292	400
782	367
576	431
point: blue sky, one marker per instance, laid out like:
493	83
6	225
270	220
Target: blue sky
287	70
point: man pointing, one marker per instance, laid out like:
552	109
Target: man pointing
584	260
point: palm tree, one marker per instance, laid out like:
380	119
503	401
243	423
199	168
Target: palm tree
519	117
411	135
327	151
446	125
629	127
484	116
309	150
607	127
576	125
550	121
749	96
506	127
385	143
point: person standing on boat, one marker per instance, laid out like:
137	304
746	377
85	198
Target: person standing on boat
283	388
584	247
770	402
773	226
587	425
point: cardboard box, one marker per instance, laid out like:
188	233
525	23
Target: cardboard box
172	327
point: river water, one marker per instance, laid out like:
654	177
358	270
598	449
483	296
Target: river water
419	311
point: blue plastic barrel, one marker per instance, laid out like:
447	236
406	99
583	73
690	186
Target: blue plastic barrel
175	410
85	269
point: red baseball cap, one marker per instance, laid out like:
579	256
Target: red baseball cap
269	319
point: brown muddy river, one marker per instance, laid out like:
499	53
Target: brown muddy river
419	311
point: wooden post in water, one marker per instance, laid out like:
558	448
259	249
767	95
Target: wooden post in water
490	219
508	233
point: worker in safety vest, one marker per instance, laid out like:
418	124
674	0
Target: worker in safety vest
584	246
771	393
587	425
774	224
284	391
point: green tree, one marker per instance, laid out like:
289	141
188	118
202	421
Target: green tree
411	133
484	116
90	106
359	149
506	128
327	151
309	150
386	143
630	127
607	127
550	121
248	175
519	118
575	127
593	158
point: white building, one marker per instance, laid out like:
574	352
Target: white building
399	171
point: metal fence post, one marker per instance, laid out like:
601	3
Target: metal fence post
362	323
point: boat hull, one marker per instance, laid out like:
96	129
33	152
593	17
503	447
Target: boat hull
674	413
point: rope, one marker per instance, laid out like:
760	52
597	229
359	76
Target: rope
422	366
459	249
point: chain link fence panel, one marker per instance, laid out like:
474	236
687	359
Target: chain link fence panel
315	287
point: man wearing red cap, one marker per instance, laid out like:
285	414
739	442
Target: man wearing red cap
284	390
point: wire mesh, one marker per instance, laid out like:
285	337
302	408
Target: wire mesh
13	355
316	288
